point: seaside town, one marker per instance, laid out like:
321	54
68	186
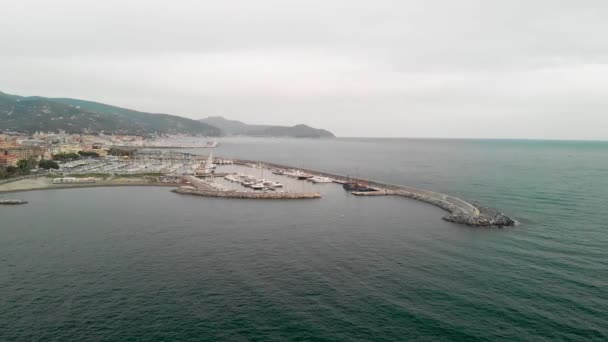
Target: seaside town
23	154
53	160
15	147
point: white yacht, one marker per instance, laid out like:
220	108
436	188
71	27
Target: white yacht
258	186
318	179
231	178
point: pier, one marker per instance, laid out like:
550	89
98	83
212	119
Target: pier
460	211
203	188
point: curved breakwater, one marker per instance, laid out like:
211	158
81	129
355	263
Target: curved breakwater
460	210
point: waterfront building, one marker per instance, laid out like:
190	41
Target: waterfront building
65	148
8	161
21	152
31	142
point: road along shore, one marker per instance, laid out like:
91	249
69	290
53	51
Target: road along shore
45	183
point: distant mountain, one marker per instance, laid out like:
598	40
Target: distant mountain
233	127
31	114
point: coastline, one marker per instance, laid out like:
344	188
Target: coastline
460	211
104	183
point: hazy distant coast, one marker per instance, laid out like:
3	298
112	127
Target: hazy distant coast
238	128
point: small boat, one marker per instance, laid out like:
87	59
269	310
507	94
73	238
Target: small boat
12	202
271	184
318	179
304	176
258	186
357	187
294	173
351	185
278	172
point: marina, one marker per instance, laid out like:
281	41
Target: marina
244	179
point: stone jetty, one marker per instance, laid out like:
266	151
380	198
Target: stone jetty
460	211
246	195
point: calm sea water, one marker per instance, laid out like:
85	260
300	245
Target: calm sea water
145	264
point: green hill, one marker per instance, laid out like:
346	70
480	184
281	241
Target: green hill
31	114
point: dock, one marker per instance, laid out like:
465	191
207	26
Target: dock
200	187
460	211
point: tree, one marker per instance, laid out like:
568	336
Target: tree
48	164
89	154
25	165
114	151
66	156
22	164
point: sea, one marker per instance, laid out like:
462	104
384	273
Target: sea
146	264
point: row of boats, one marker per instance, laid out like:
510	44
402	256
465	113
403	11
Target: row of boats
252	182
302	176
210	165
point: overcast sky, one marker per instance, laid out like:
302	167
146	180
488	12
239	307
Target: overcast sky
505	69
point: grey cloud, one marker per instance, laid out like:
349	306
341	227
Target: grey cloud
432	68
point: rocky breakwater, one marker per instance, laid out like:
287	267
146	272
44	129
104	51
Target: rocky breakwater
487	217
187	190
460	211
